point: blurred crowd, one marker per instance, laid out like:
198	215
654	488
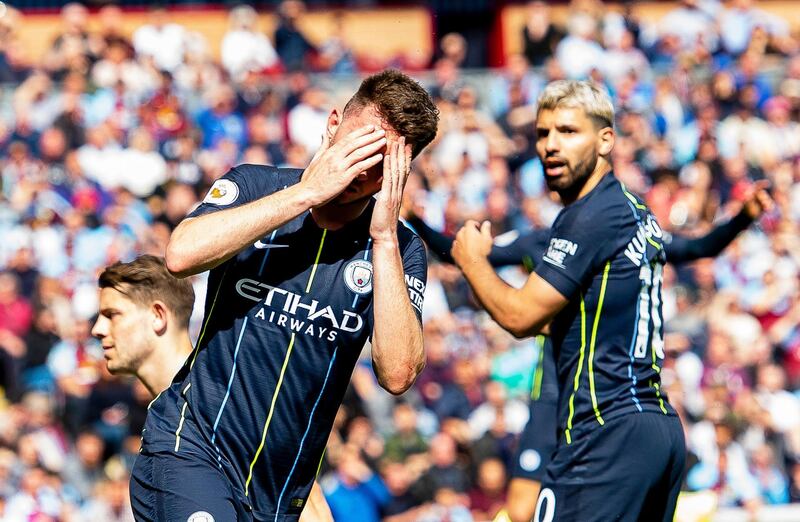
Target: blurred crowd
110	139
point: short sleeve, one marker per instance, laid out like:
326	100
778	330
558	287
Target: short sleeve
579	244
234	189
415	268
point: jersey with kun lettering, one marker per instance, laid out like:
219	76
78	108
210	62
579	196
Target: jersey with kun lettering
606	255
284	324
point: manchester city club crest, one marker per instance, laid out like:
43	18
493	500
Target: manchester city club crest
358	276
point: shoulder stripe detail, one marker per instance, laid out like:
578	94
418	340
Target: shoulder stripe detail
632	198
155	399
180	425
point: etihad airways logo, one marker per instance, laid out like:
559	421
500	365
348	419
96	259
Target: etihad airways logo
290	310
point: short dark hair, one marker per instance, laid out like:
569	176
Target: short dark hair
402	103
146	279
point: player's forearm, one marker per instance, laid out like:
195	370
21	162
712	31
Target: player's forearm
316	509
439	243
397	350
507	305
682	250
201	243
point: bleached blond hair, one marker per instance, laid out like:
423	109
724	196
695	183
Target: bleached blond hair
579	95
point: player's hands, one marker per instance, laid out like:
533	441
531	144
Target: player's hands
333	167
758	200
396	166
473	243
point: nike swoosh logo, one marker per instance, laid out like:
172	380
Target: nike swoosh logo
261	245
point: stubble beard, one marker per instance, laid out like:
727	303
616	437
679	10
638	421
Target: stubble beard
569	184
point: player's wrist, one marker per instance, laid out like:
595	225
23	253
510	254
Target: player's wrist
476	266
308	195
385	240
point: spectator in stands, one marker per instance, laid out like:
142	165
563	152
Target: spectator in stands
445	472
83	468
70	51
406	439
354	491
540	35
111	31
307	120
692	22
244	48
740	19
161	40
773	483
489	494
578	53
290	43
335	53
221	120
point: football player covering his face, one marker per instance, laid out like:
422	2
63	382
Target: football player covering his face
305	267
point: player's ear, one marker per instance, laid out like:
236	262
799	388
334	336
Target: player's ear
334	120
159	317
605	141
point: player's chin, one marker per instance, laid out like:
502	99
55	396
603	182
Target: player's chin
349	196
114	367
560	182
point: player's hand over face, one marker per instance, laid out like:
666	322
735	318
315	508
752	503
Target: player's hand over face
758	200
396	167
473	243
333	167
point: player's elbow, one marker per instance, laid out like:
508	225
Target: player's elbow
520	327
177	260
399	381
396	386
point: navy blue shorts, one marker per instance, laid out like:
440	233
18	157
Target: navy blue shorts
177	486
538	440
629	469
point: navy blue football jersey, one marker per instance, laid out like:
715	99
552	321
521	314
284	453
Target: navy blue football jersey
606	255
285	321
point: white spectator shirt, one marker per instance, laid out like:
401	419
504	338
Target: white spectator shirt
165	44
306	125
689	25
783	408
244	51
619	63
736	27
578	56
516	415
